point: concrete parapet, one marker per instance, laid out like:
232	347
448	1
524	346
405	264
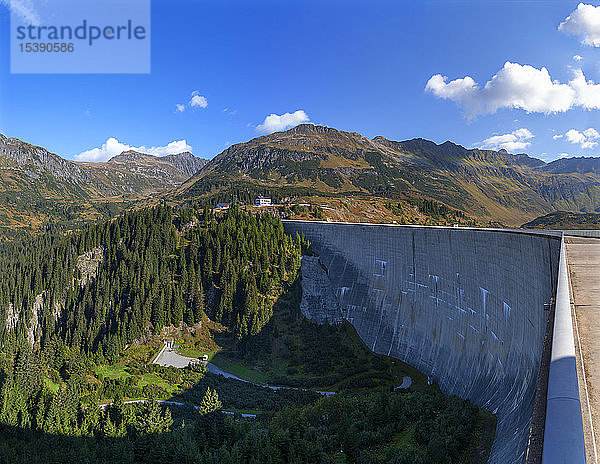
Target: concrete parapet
583	233
563	434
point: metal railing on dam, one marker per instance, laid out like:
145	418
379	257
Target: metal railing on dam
467	307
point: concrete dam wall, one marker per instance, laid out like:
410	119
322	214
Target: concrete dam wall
466	307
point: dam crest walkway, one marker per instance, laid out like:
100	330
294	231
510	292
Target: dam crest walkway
583	261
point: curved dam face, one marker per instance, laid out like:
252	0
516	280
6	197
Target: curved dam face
466	307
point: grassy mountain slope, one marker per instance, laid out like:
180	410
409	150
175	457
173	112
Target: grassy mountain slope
565	220
311	160
349	176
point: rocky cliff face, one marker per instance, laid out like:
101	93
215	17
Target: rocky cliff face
186	162
582	165
303	143
33	161
134	172
129	172
319	302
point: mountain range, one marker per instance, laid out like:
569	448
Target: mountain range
311	160
351	176
133	172
38	187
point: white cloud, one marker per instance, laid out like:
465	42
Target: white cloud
518	86
172	148
513	141
514	86
563	155
585	139
112	147
584	21
198	100
458	90
577	58
523	134
557	136
276	123
587	93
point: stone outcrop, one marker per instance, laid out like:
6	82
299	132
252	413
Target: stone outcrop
319	302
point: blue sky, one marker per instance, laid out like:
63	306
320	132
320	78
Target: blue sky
357	66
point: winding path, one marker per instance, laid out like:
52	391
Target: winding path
406	381
175	403
169	357
218	371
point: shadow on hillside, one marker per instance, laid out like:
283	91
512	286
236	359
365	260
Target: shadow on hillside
292	352
300	354
244	396
27	446
248	397
137	379
217	438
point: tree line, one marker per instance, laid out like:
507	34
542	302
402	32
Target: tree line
370	428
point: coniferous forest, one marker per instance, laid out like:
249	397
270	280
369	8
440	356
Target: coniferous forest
99	289
73	304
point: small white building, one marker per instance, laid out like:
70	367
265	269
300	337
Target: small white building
262	201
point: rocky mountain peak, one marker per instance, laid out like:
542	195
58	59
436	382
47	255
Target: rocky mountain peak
580	164
309	128
130	156
186	162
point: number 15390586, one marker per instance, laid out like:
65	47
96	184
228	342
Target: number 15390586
46	47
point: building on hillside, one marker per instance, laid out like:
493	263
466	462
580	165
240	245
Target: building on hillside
222	205
262	201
